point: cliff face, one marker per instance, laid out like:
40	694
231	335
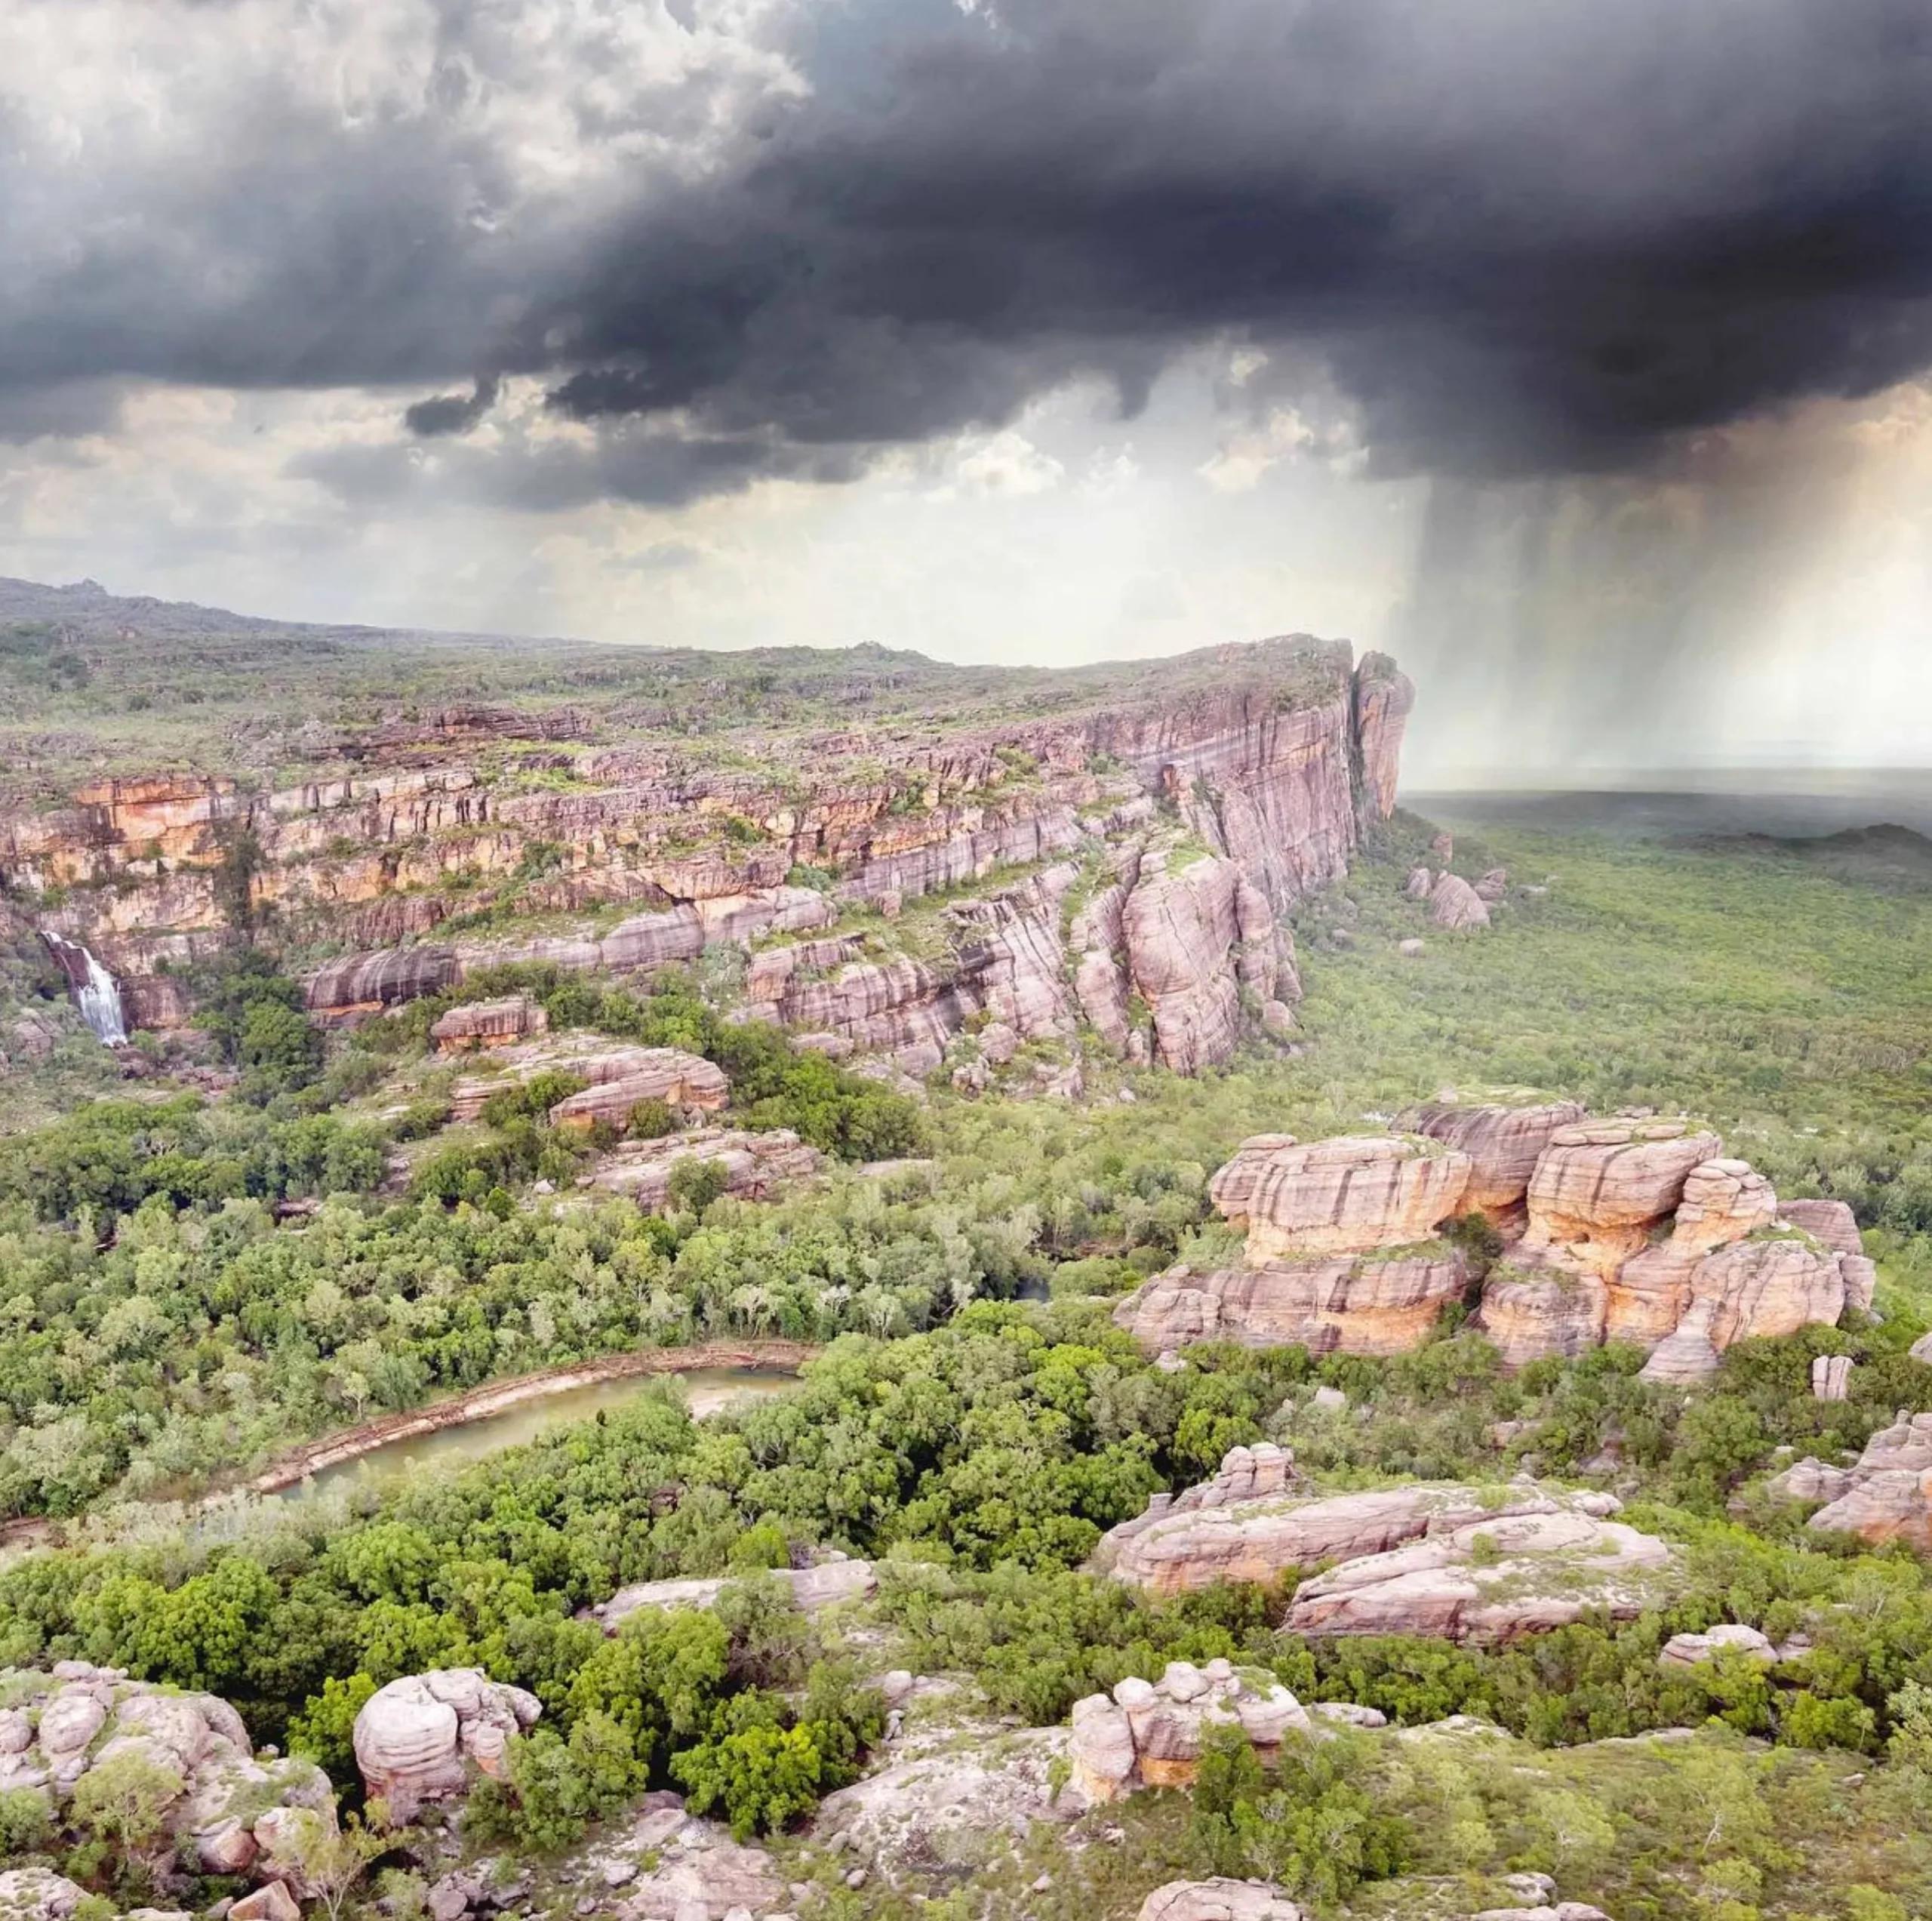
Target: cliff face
1166	828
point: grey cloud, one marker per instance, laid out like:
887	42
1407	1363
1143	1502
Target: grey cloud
1521	237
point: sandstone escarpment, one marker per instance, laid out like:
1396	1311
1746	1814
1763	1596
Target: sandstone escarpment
1274	758
419	1739
230	1813
1632	1231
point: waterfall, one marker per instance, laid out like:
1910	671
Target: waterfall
93	988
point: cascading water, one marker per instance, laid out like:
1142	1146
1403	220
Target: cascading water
93	989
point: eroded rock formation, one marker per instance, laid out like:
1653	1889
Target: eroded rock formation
231	1814
1523	1570
1886	1496
479	1024
1149	1734
620	1077
418	1739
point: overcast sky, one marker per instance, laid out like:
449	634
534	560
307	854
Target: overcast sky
1575	352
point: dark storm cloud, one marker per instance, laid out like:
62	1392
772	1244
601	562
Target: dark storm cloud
1538	237
453	413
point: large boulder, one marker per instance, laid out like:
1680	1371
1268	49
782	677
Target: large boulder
476	1024
668	1074
229	1814
1376	1304
1219	1900
1503	1140
1492	1579
418	1739
1453	903
1346	1195
1759	1287
1149	1734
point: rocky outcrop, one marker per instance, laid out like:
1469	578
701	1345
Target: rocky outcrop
629	1075
1887	1496
1684	1651
1219	1901
1625	1230
1523	1570
824	1586
1340	1252
479	1024
1536	1306
1349	1194
1759	1287
1196	935
1149	1734
1831	1223
1503	1140
1462	1562
683	1082
230	1813
420	1739
756	1166
1375	1303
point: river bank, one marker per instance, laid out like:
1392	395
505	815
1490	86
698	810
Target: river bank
494	1398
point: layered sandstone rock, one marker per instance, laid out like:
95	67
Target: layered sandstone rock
1375	1303
478	1024
1760	1287
1384	698
1830	1223
677	1078
1350	1195
668	1074
756	1166
1600	1187
368	983
1149	1734
1464	1562
1504	1140
229	1814
419	1739
1534	1306
1195	935
1523	1570
1887	1496
1276	757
